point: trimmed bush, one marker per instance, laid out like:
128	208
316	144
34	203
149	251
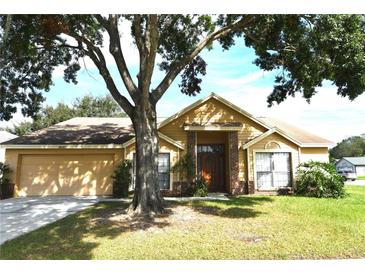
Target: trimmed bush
6	187
5	173
122	179
317	179
201	188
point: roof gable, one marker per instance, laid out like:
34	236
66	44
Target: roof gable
206	111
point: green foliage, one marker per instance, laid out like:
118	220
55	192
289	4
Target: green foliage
21	128
122	179
87	106
5	173
317	179
90	106
351	147
201	188
185	167
304	50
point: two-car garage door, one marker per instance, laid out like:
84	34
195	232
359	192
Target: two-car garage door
88	174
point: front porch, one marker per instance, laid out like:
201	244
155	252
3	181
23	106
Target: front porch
215	156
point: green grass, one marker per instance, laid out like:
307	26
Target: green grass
246	227
361	177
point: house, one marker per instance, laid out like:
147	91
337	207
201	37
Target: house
5	136
352	164
233	150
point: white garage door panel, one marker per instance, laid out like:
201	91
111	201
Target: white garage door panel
66	174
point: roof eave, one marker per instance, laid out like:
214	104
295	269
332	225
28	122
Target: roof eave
161	135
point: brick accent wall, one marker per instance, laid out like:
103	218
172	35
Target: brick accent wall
192	138
237	187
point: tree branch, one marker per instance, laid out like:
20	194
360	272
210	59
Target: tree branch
97	57
115	48
138	32
147	62
179	65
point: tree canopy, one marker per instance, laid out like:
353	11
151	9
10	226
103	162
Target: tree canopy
304	49
351	147
86	106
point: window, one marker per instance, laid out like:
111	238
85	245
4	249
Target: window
273	170
163	170
210	148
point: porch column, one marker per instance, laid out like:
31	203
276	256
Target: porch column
192	138
235	185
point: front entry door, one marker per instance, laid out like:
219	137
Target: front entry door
211	166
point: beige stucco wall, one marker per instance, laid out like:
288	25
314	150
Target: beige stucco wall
319	154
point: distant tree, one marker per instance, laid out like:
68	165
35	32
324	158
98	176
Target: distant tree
90	106
87	106
351	147
21	128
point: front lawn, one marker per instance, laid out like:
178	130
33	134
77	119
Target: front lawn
247	227
361	177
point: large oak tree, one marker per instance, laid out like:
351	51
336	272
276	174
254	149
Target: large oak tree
304	50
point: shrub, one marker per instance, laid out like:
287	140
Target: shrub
5	173
185	166
316	179
201	188
122	179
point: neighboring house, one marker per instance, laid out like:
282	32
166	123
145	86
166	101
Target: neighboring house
5	136
352	164
235	152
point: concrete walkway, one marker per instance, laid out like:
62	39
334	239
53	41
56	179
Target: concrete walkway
22	215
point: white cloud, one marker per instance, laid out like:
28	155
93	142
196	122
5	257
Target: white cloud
234	83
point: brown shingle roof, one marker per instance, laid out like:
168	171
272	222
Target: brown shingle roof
79	131
297	134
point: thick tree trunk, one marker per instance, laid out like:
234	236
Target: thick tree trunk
147	197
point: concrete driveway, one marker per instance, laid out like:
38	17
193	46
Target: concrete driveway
22	215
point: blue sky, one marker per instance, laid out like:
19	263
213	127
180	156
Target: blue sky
232	75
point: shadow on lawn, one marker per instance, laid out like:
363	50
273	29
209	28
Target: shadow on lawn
73	236
240	207
76	236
